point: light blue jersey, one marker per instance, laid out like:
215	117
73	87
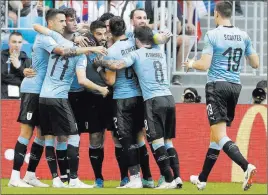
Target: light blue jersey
60	75
42	48
126	83
92	74
151	68
227	45
130	34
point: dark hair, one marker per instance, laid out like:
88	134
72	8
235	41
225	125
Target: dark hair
69	12
96	24
117	26
51	13
15	33
197	97
144	34
133	12
262	84
106	16
225	9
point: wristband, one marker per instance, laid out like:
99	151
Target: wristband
99	69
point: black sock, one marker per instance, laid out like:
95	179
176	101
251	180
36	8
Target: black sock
133	159
62	161
162	160
153	152
35	156
121	162
144	162
19	154
231	149
96	158
174	161
73	159
210	160
51	160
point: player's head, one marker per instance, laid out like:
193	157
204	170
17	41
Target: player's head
190	95
138	17
117	26
71	23
98	29
15	41
56	20
144	36
222	11
106	19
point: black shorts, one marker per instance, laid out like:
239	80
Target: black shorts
160	118
57	117
128	117
221	100
29	109
98	114
77	102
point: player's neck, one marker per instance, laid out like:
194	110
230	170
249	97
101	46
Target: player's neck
119	38
68	36
225	23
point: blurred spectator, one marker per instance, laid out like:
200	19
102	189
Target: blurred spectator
238	9
190	95
13	63
259	95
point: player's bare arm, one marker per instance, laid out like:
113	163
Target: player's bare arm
110	64
82	80
253	60
202	64
107	76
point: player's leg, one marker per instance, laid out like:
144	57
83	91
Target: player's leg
122	164
27	118
61	152
96	155
125	129
170	133
64	124
155	116
35	156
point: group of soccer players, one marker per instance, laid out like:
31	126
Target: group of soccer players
119	83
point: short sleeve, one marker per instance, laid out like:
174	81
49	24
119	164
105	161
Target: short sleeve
208	46
47	43
81	62
56	36
248	46
131	58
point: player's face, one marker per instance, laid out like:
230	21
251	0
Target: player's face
15	43
71	25
139	18
101	36
107	26
59	23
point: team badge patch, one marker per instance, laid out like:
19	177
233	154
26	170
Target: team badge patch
29	115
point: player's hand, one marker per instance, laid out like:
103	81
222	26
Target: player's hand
82	41
29	72
104	91
100	50
97	61
189	64
166	33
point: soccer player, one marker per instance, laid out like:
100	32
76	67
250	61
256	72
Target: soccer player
150	66
57	115
128	109
97	114
29	111
224	48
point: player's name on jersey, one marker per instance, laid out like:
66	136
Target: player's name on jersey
154	55
128	50
233	37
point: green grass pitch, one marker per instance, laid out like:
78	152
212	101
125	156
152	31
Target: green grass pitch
110	188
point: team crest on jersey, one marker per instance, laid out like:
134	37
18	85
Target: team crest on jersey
29	115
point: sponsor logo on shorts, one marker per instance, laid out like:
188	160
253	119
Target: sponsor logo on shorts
209	110
29	115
